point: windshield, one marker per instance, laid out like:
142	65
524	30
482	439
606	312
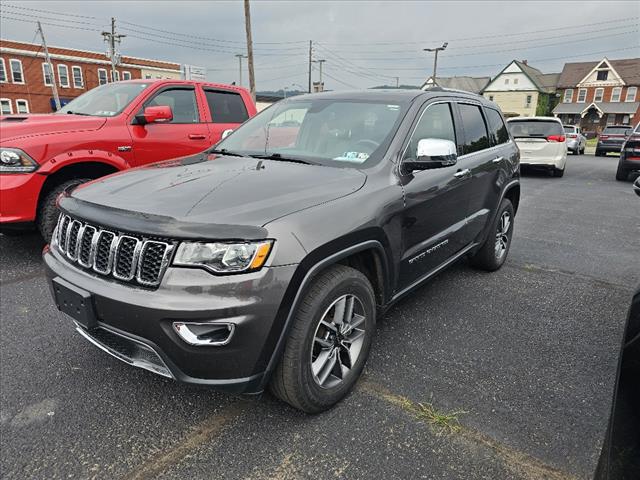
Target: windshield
326	131
534	128
621	130
105	101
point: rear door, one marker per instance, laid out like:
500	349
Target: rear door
227	110
186	134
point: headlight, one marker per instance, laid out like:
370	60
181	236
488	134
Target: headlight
224	257
14	160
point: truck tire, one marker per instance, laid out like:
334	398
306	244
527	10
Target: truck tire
47	215
495	248
329	341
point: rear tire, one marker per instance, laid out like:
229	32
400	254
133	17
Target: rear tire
622	173
558	173
495	248
317	369
47	215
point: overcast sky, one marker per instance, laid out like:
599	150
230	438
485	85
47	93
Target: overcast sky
364	43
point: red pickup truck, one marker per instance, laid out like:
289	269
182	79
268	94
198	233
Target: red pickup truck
110	128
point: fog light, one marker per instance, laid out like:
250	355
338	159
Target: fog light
203	334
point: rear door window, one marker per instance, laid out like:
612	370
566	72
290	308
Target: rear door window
226	107
497	128
535	128
475	130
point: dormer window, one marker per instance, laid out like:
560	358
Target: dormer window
603	75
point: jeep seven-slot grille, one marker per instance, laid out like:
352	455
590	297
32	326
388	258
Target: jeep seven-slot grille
128	258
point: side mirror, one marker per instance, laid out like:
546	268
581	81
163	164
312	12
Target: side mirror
432	153
636	186
226	133
157	114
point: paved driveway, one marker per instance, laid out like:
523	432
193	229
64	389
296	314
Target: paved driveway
525	355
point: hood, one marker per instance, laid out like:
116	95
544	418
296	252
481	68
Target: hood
208	196
18	126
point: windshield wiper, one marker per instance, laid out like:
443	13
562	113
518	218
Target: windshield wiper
280	157
69	112
224	151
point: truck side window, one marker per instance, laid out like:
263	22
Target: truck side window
475	130
182	102
497	128
226	107
436	122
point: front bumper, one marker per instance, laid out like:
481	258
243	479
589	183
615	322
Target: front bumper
128	317
19	194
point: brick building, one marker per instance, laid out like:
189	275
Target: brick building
596	94
25	77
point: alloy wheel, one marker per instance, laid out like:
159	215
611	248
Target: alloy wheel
502	235
338	341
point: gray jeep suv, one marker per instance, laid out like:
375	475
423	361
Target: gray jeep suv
266	260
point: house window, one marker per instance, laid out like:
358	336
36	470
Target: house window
515	81
598	95
16	71
22	106
126	75
582	95
47	74
63	76
568	95
625	120
147	77
115	76
5	106
615	94
491	98
3	72
78	81
631	94
611	119
603	75
102	76
528	104
506	81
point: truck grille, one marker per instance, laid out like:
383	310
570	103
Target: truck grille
127	258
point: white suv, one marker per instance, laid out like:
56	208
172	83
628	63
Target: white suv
541	141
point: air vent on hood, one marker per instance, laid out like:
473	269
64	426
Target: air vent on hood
13	119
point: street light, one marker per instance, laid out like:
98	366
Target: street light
435	58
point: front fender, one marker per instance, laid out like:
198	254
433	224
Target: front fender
82	156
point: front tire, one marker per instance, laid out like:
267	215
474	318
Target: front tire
495	248
47	216
329	341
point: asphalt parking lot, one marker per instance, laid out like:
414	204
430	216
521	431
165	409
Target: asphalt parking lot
526	356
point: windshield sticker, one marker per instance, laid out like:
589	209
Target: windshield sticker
357	157
393	108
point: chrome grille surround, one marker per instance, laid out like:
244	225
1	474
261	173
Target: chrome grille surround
128	258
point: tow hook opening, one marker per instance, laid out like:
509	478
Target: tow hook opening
213	334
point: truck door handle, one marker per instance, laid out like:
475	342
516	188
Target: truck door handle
462	173
197	136
497	160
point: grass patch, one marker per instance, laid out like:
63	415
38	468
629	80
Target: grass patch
592	142
444	422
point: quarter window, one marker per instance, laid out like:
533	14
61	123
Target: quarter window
22	106
582	95
3	72
182	102
16	71
102	76
63	76
631	94
47	74
5	106
568	95
598	95
226	107
78	81
497	128
436	122
475	130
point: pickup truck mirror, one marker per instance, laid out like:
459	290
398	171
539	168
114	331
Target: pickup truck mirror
159	114
226	133
432	153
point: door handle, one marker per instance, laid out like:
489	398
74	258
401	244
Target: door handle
497	160
197	136
462	173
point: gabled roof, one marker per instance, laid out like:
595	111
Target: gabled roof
468	84
574	73
544	82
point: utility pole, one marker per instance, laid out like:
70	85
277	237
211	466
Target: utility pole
320	62
310	60
111	38
397	82
435	58
247	26
54	87
240	56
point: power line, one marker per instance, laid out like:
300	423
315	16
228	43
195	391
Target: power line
9	5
